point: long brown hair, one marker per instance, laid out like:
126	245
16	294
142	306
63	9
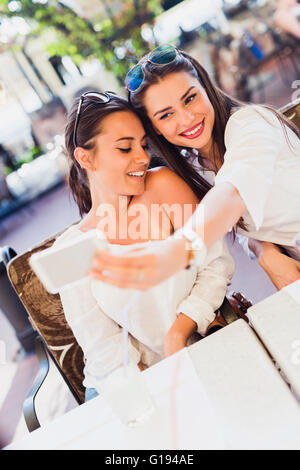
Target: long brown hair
92	114
223	105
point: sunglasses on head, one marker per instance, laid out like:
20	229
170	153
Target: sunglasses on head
162	55
101	98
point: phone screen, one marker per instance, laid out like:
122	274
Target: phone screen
64	264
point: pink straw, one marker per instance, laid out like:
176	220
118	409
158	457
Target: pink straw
125	312
173	403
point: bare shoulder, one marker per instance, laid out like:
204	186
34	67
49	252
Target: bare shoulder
156	175
164	185
166	189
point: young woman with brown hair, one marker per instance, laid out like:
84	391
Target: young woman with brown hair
252	152
115	191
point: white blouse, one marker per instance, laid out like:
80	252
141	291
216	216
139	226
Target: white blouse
265	168
94	309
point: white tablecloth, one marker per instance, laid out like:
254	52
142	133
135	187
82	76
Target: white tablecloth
183	417
222	392
277	322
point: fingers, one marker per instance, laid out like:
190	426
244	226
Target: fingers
127	272
121	282
108	259
141	268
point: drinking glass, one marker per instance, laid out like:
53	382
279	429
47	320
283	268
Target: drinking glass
127	394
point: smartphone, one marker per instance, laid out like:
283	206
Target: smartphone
70	261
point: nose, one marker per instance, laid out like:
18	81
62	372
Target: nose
185	118
142	157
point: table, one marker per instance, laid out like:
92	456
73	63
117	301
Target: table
253	403
277	322
223	392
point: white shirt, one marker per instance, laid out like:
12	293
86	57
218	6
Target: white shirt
265	168
94	309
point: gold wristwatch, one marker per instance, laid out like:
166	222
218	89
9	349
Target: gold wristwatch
197	249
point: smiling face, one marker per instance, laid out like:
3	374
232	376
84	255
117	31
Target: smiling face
119	161
180	110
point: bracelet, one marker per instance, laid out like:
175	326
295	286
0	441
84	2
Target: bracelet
191	254
196	250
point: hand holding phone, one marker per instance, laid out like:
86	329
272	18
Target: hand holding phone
68	262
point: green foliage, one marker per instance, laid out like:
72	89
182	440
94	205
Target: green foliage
7	170
81	39
27	157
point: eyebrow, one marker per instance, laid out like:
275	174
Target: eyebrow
186	93
130	138
162	111
170	107
124	138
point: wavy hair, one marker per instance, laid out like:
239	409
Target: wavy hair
223	105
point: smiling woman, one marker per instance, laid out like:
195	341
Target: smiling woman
95	139
113	169
132	205
253	155
193	106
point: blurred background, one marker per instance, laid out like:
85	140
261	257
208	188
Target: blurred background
51	52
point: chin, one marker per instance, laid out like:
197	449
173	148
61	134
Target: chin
135	191
140	191
200	143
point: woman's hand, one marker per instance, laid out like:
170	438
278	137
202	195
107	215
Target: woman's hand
178	334
281	269
173	342
141	268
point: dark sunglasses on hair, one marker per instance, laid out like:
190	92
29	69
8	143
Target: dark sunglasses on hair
101	98
162	55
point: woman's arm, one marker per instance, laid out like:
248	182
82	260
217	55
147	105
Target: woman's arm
197	310
259	248
178	334
281	269
219	211
222	207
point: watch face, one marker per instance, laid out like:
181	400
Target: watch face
190	234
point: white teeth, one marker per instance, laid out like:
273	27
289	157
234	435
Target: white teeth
195	130
136	173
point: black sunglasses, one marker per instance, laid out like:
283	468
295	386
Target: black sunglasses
162	55
101	98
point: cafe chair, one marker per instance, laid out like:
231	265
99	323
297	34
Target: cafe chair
55	338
